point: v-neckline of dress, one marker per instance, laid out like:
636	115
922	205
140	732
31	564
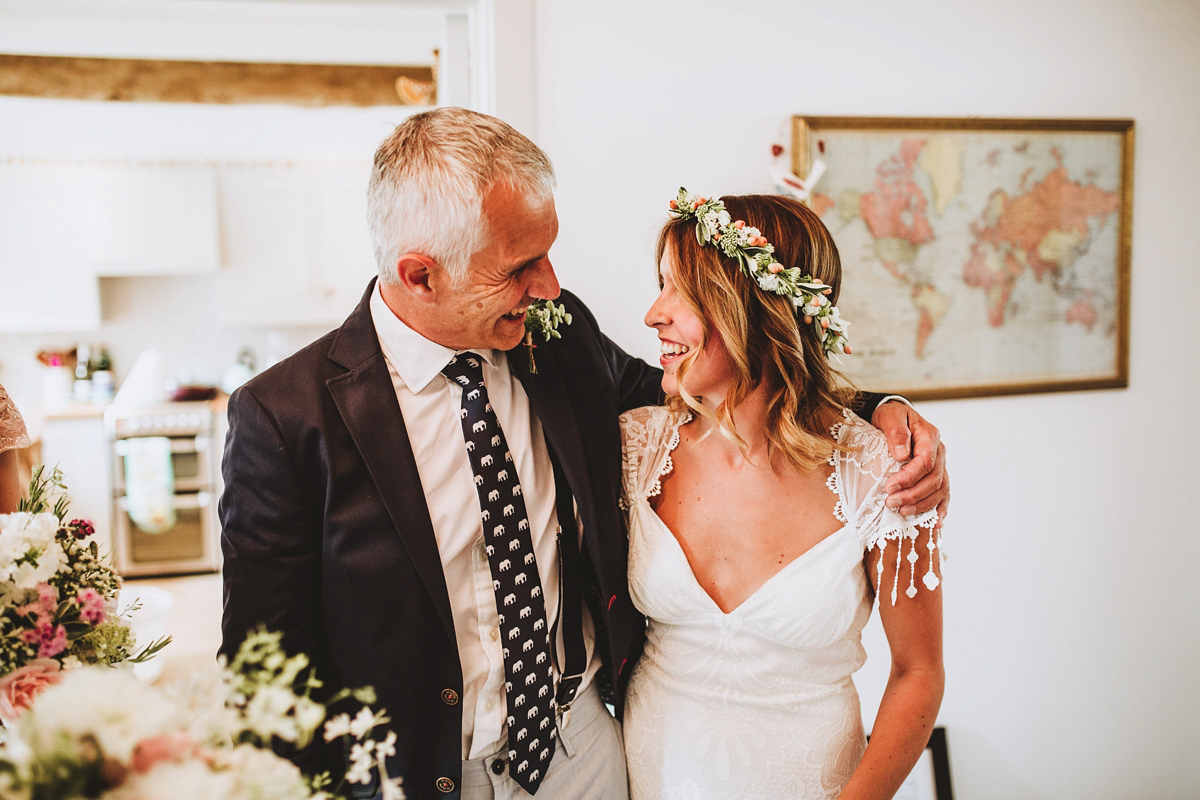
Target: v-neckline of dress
667	465
678	547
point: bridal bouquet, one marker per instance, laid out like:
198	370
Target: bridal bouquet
57	599
101	733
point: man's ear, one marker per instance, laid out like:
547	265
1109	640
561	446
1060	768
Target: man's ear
415	272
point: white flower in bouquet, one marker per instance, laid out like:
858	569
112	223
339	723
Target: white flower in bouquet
238	774
277	711
263	775
110	707
187	780
205	714
29	554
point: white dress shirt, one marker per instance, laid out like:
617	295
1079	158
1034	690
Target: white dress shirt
430	403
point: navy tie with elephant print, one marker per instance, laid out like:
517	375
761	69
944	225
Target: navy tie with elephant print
524	634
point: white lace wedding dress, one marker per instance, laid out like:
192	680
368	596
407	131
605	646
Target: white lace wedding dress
757	703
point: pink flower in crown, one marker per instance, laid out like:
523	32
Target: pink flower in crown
19	687
92	608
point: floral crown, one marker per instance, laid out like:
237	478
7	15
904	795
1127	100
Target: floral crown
755	256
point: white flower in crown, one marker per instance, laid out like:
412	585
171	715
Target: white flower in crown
769	282
810	305
714	220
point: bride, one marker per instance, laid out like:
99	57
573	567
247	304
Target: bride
758	531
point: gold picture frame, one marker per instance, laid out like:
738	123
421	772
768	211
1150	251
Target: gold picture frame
980	256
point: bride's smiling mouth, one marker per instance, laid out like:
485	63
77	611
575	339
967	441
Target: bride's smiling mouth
671	351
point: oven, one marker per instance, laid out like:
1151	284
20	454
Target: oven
189	540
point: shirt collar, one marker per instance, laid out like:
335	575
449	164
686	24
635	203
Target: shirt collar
416	359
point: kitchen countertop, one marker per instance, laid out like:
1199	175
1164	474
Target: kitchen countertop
75	410
92	410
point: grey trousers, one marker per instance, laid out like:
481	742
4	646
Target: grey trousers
588	764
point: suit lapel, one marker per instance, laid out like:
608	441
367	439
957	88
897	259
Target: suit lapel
548	398
366	400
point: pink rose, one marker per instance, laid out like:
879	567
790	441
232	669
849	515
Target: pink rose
164	747
19	687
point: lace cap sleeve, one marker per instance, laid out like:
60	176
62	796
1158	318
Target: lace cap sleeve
861	475
645	450
12	426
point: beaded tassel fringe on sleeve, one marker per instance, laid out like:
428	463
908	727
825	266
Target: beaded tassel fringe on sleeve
858	478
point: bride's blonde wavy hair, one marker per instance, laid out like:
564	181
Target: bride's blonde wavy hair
766	341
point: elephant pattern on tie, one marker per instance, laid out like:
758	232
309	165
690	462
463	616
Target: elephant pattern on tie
510	544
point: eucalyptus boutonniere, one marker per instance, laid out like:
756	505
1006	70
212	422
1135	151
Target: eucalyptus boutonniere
543	318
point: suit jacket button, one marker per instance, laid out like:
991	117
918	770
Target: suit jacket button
450	697
445	785
498	766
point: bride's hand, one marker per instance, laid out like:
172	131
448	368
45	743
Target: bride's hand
923	483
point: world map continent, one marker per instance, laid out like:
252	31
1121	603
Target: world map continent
1043	230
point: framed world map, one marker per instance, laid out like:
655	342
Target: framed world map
979	256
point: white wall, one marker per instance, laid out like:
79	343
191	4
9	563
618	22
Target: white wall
1071	624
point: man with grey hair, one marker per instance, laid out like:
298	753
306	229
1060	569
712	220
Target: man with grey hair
419	511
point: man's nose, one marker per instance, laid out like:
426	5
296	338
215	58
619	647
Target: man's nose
544	285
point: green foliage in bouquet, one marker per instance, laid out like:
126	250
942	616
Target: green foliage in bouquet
44	489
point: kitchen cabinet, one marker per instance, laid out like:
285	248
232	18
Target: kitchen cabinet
150	218
48	283
65	223
295	245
